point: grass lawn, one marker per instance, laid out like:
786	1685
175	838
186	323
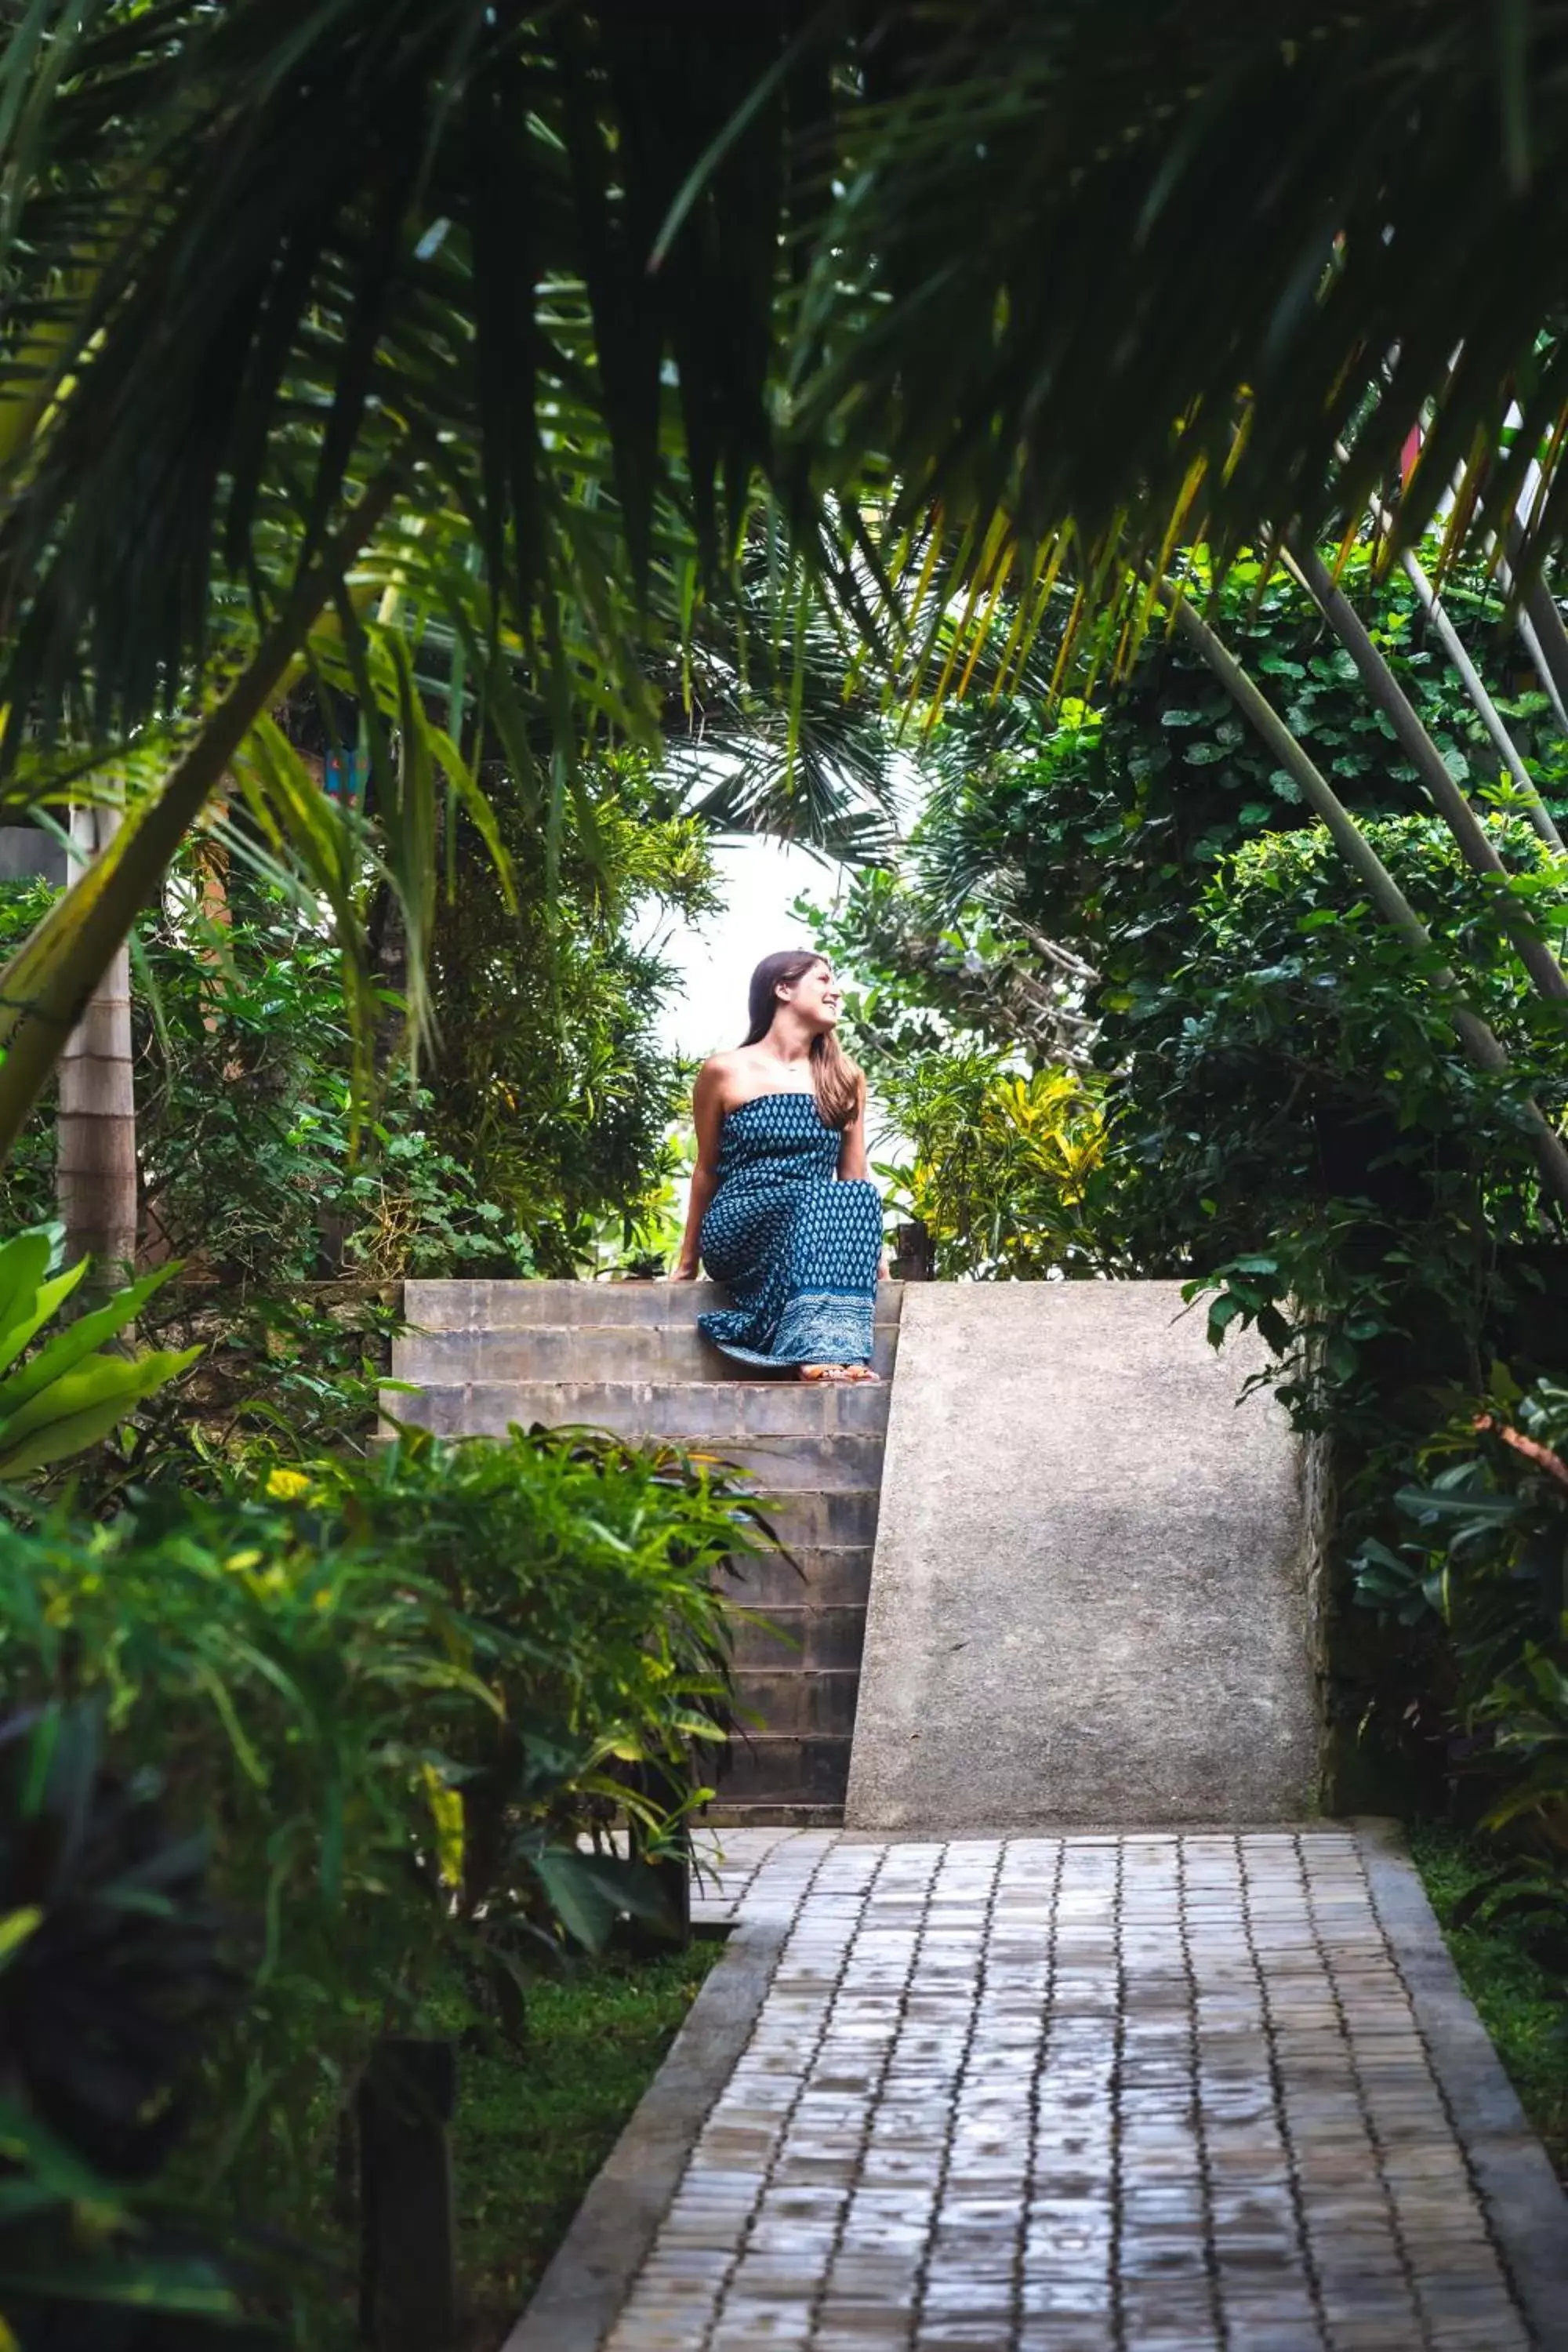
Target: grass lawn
1522	2004
532	2130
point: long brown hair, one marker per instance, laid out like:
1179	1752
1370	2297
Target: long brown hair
835	1078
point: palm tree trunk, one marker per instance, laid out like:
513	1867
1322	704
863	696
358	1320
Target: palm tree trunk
95	1131
1476	845
1478	1040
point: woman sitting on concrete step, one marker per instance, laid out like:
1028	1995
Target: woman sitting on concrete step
782	1210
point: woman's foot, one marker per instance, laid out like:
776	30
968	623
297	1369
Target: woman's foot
850	1374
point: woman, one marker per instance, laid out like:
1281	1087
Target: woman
782	1210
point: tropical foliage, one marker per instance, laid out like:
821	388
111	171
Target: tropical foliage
1474	1576
1007	1167
386	382
70	1391
401	1705
115	1975
547	1076
1132	896
539	1108
1080	165
534	1139
440	338
458	397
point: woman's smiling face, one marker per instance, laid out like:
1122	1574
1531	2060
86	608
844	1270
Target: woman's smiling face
815	996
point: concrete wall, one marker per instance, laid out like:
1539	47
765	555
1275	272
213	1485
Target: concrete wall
28	853
1089	1596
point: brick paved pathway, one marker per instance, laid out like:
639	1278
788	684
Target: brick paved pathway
1131	2094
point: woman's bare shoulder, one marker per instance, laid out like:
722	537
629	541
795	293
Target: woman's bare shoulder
732	1062
721	1072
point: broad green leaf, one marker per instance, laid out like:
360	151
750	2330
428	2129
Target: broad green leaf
24	1262
29	1312
83	1406
69	1346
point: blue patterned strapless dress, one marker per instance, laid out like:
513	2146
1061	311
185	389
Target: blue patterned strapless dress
798	1248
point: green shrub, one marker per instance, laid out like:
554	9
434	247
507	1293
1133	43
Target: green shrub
110	1973
585	1569
282	1374
1009	1175
1484	1566
402	1700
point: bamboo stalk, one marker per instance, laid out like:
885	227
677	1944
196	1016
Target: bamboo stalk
1486	710
1547	639
1491	717
1545	666
1478	1040
1475	846
1544	669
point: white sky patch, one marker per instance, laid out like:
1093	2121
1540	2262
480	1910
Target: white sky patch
760	881
759	878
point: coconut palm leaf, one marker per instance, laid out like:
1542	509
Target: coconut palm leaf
1077	247
259	253
281	277
774	719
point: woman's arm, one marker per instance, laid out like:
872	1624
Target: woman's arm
708	1116
852	1164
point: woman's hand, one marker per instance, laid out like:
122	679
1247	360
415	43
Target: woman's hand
682	1271
884	1271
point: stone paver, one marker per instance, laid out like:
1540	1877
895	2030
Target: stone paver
1135	2093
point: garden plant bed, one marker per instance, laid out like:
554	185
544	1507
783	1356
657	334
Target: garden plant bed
533	2128
1523	2001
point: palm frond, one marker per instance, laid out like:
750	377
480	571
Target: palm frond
1078	247
258	253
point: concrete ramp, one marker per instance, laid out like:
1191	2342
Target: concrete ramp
1088	1597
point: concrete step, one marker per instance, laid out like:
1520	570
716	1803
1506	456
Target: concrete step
769	1777
818	1464
803	1638
582	1354
811	1518
627	1356
810	1576
799	1703
703	1414
513	1306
